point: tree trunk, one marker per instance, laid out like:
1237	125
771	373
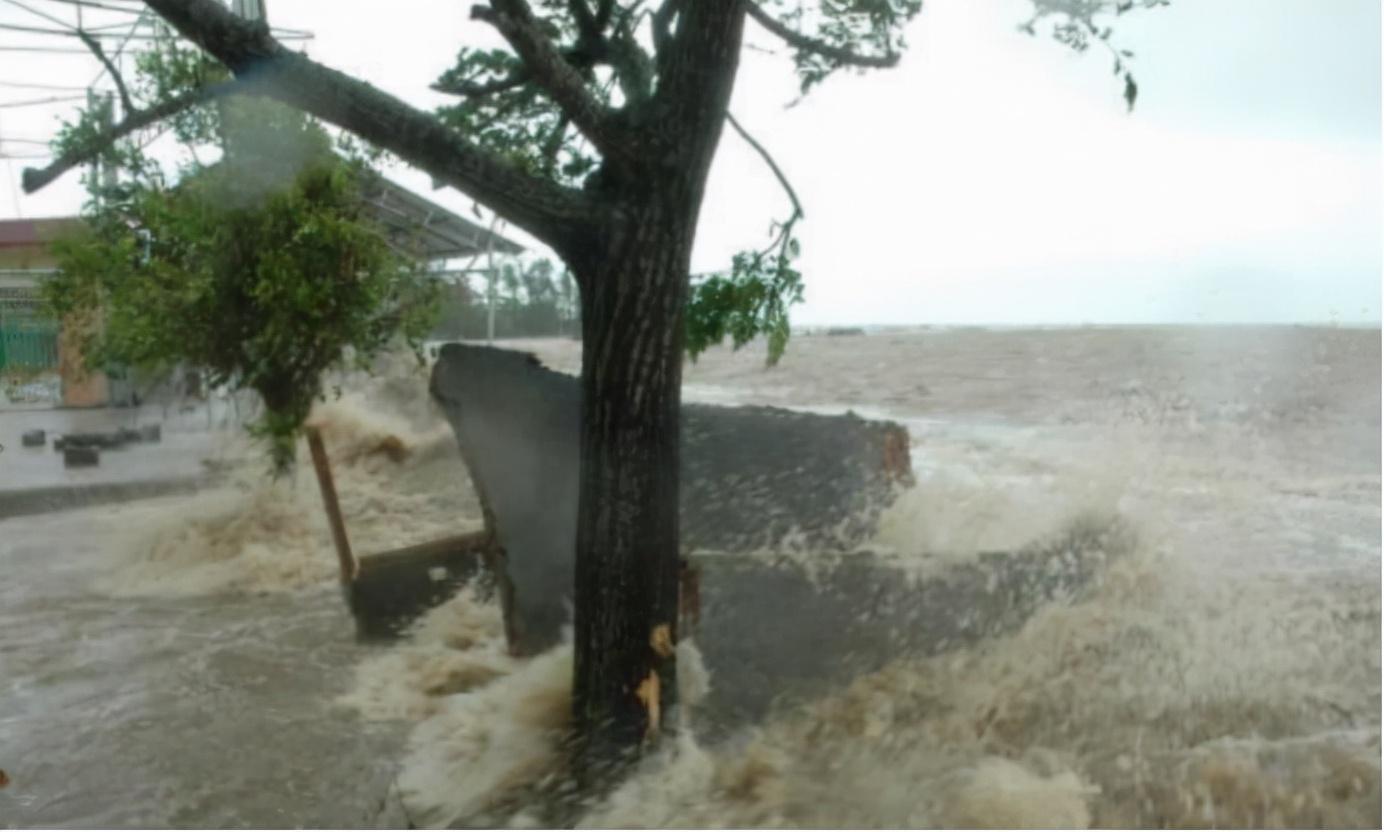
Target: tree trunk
627	515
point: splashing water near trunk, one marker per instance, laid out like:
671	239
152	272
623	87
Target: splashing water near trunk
1223	672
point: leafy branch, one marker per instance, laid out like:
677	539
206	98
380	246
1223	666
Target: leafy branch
754	298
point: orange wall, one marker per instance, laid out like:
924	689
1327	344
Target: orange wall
80	387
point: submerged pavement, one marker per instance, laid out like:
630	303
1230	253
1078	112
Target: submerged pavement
34	480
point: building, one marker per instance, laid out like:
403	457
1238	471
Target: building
32	343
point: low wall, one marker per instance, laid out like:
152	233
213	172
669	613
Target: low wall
752	477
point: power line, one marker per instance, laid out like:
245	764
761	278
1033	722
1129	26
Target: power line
104	26
35	102
106	65
92	4
25	85
73	33
37	30
48	50
45	15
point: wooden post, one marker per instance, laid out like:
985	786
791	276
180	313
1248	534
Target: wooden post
349	567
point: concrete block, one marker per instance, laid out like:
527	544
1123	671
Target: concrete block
74	456
752	477
34	439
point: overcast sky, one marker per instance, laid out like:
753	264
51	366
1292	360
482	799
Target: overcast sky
990	177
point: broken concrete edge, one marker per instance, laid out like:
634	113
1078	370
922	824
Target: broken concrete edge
60	498
753	476
496	557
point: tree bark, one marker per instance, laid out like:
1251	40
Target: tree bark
634	278
626	590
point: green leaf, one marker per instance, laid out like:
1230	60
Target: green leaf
751	301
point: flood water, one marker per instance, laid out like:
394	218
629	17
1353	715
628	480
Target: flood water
188	661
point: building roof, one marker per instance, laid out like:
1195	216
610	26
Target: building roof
417	223
412	222
24	243
34	233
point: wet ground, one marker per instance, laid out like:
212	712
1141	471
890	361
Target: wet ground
35	479
208	711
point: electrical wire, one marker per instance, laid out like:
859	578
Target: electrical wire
47	50
28	86
45	15
37	30
92	4
119	49
37	102
126	36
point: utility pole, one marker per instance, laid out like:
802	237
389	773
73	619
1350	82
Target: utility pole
104	172
490	282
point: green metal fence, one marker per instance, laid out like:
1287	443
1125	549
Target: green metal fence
28	338
28	346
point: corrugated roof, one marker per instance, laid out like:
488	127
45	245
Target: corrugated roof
417	223
412	222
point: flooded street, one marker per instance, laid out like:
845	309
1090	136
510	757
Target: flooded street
201	711
188	661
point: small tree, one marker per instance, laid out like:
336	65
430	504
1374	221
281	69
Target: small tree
594	131
263	271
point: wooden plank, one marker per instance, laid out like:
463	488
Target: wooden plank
345	560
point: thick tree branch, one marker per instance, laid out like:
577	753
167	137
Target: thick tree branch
36	178
551	69
545	209
697	69
803	43
95	46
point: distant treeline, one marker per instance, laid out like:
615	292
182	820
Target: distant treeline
531	301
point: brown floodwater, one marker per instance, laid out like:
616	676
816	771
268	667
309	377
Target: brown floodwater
187	661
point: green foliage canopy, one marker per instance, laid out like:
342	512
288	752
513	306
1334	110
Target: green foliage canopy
264	270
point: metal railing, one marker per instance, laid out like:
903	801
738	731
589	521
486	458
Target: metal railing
28	337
